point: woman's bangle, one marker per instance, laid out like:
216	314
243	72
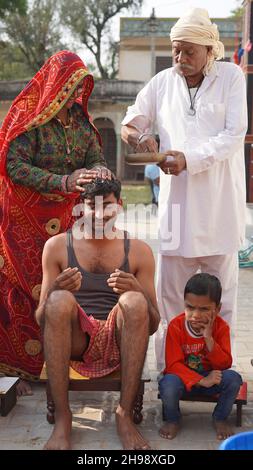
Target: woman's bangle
64	186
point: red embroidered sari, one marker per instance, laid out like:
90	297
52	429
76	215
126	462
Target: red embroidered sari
28	218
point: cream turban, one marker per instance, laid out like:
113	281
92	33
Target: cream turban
195	26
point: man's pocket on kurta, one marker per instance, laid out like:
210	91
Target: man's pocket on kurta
211	118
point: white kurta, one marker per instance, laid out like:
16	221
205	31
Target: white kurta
211	192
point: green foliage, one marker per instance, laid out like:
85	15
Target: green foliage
31	31
238	12
34	36
12	63
90	21
136	194
12	5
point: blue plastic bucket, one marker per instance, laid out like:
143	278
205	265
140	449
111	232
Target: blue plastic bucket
241	441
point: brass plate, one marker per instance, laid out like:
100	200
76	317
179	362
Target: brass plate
145	158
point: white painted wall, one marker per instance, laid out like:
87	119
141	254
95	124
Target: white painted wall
134	65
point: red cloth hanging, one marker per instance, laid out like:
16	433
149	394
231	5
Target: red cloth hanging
235	56
248	46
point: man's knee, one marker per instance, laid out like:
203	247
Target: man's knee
134	306
60	303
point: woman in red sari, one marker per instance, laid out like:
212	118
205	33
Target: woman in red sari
49	150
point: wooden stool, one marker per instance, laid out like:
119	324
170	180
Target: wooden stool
8	394
240	400
108	383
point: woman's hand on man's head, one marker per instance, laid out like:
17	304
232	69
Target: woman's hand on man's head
104	173
79	178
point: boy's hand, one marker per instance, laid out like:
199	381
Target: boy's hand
207	326
214	378
70	279
122	282
207	330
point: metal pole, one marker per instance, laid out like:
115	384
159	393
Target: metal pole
152	24
152	50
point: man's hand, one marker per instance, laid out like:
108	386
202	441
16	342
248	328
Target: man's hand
70	279
175	165
79	178
214	378
122	282
147	144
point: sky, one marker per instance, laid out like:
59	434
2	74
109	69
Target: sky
174	8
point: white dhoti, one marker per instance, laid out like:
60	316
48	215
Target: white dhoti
173	273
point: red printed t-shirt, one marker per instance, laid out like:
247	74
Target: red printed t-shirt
186	354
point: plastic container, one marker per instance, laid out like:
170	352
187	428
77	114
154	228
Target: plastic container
241	441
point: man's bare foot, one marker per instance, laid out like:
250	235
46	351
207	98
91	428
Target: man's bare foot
223	430
169	430
131	439
60	437
23	389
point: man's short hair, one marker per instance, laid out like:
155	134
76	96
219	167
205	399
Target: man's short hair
204	284
102	187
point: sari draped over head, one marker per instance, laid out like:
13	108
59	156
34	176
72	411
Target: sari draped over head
28	218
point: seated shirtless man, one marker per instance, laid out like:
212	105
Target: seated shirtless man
97	308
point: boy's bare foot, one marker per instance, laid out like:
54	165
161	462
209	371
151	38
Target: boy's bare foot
223	429
60	437
130	437
169	430
23	388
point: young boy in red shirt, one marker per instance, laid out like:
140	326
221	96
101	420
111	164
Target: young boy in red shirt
198	357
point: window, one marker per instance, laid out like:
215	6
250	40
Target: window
163	63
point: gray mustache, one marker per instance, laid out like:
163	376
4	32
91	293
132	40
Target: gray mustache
184	67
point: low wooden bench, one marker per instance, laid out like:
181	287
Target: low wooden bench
240	400
108	383
8	394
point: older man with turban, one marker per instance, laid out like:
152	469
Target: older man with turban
198	108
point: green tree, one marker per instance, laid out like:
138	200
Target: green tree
12	63
237	12
90	21
12	5
35	34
